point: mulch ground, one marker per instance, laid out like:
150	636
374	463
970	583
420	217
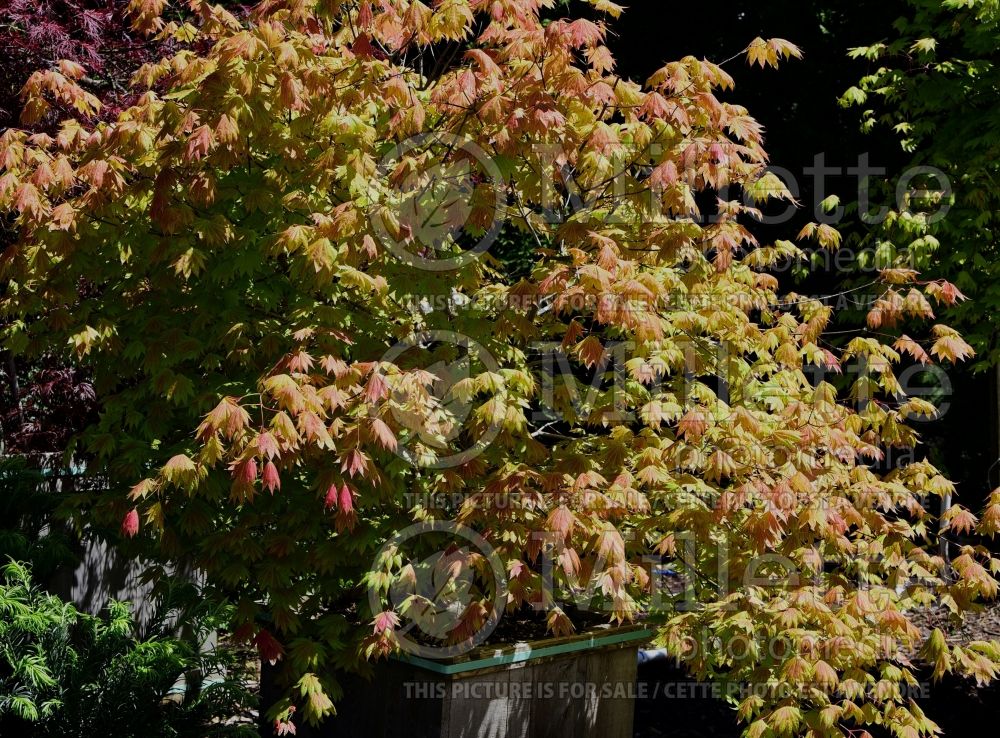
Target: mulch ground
974	626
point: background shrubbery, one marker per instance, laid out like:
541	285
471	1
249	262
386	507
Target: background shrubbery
67	674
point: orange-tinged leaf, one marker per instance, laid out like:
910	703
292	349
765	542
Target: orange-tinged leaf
590	351
270	477
907	345
953	348
383	434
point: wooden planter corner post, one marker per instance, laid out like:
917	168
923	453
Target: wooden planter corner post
581	686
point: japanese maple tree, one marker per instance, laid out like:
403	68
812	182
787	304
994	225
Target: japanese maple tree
44	405
239	256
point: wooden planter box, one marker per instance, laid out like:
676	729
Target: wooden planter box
577	687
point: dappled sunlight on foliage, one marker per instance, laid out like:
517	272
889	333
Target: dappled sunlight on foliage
272	264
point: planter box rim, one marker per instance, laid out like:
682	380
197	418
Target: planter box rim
488	657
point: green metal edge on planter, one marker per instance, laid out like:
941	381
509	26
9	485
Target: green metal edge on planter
524	652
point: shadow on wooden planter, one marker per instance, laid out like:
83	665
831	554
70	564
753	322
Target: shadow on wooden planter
581	686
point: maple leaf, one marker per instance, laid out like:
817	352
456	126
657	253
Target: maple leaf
758	53
354	463
270	477
376	389
606	6
652	414
720	466
286	391
268	647
945	292
561	521
590	351
908	346
143	489
314	430
228	416
226	130
784	48
785	720
559	623
71	69
130	523
382	432
267	445
300	362
245	472
366	16
584	33
989	522
199	143
180	470
332	498
692	425
346	516
960	520
953	348
384	621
